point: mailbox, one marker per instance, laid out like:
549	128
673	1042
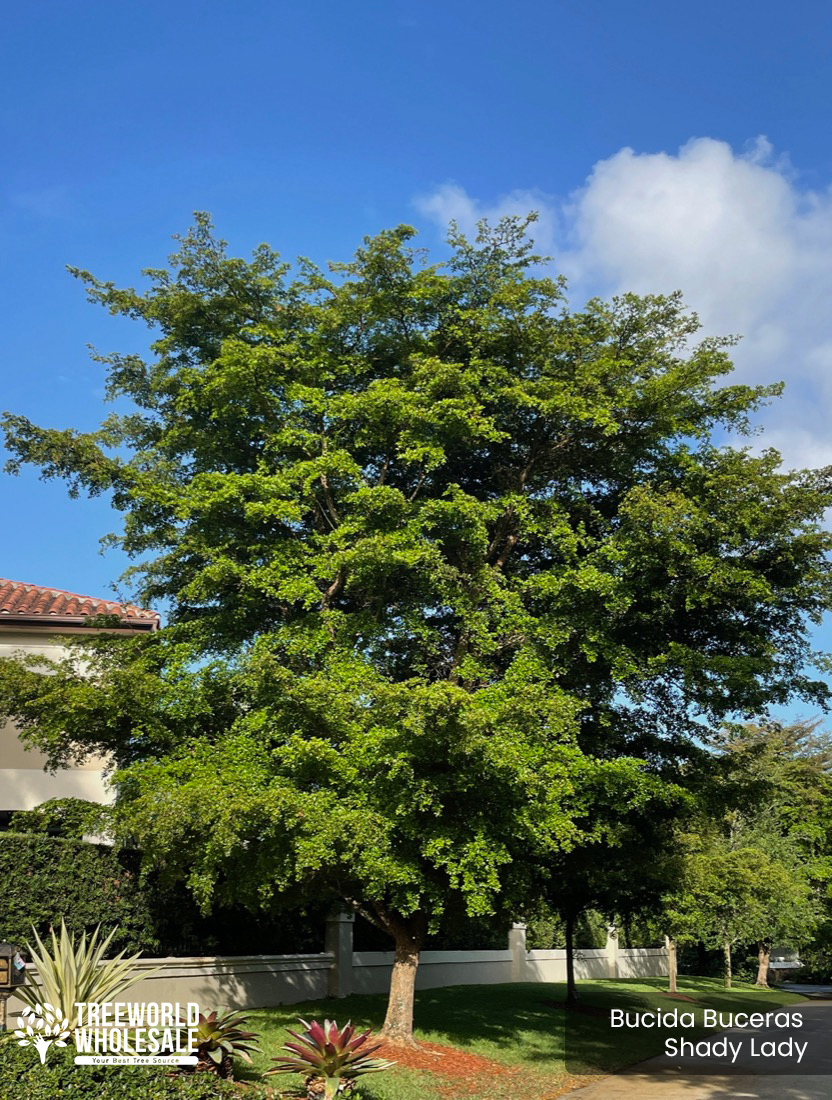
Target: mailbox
12	967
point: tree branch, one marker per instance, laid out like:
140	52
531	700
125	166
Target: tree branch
333	510
333	590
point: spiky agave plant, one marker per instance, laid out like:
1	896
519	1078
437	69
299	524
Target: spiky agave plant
75	971
330	1057
220	1038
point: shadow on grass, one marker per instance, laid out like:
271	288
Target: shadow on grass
521	1025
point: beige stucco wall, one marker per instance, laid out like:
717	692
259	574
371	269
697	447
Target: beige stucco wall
256	981
371	969
596	964
23	782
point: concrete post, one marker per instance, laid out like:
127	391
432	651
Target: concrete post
612	951
338	941
517	947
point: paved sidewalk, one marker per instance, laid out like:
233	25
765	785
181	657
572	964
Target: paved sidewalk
816	992
666	1078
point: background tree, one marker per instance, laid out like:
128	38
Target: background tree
625	874
778	787
742	883
446	564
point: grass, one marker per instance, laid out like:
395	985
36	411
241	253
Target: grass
520	1026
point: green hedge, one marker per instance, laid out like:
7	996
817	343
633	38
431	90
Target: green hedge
22	1077
45	878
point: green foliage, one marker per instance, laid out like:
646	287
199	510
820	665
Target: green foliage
69	817
816	956
758	861
22	1077
220	1038
332	1054
74	971
781	775
457	577
743	887
545	929
48	878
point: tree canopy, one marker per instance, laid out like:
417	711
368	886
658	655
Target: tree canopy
453	571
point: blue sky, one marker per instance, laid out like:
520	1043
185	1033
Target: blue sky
666	145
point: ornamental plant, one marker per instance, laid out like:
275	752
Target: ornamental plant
220	1038
330	1058
75	972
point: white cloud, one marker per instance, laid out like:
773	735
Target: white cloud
749	246
452	203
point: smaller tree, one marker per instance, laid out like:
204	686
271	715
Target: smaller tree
777	785
624	873
735	890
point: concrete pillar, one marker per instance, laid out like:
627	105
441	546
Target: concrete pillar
611	948
338	942
517	947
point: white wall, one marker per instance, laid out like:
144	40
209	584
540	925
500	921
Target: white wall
257	981
23	782
371	969
254	981
597	963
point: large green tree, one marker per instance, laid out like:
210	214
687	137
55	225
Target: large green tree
442	560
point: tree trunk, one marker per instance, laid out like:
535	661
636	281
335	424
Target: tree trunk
628	930
702	959
409	936
571	991
672	966
726	952
763	960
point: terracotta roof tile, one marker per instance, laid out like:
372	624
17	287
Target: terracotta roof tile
19	601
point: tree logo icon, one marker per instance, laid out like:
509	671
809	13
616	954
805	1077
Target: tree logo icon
40	1027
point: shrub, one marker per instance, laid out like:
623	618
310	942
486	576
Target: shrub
46	878
22	1077
220	1039
67	817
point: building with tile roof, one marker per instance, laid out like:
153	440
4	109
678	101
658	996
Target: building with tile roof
32	620
34	605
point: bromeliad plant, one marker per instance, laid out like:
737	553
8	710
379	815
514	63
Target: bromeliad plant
220	1038
330	1058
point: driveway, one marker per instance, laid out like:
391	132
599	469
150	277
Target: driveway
665	1078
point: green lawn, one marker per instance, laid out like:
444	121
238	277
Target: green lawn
521	1027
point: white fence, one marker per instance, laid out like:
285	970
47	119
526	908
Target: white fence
632	962
371	969
256	981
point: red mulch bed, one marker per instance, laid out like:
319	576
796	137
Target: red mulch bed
470	1073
